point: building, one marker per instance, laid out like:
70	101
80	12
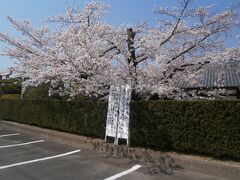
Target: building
217	82
6	74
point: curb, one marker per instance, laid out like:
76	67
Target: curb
168	162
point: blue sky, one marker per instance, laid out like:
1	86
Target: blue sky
122	12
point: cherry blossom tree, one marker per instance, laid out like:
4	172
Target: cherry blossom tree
182	45
74	59
86	56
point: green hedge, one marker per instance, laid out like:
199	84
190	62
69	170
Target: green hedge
10	96
205	127
10	86
85	118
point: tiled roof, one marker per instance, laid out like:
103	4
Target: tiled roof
9	71
217	76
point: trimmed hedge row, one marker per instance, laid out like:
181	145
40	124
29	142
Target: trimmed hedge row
206	127
10	96
85	118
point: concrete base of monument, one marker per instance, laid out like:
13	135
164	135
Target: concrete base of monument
165	162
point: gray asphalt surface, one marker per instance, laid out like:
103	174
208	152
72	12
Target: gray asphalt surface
83	165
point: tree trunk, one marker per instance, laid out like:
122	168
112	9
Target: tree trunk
132	62
131	49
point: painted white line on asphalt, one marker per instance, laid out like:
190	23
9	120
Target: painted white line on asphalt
134	168
38	160
22	144
7	135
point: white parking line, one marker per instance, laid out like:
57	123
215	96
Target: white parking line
22	144
134	168
38	160
7	135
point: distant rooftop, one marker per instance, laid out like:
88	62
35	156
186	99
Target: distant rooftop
7	72
217	76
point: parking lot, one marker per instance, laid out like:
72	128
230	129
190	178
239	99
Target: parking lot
24	157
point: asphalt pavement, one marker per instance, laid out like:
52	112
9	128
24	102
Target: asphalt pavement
26	157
